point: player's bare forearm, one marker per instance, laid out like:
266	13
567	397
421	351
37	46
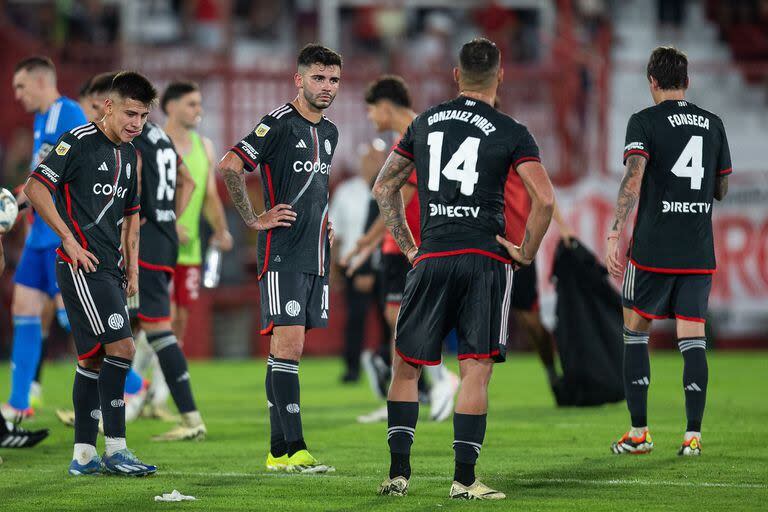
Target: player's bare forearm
629	193
132	242
41	200
721	187
231	169
386	190
542	196
185	185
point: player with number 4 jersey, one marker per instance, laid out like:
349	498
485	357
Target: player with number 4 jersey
677	163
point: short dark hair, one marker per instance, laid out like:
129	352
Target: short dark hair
102	83
669	66
134	86
35	62
84	89
318	54
176	90
389	87
479	60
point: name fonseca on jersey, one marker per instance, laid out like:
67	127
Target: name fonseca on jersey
294	156
95	185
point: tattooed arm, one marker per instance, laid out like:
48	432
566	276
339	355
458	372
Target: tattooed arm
721	187
542	196
629	193
386	190
281	215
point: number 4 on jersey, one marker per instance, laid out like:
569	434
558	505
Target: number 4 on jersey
689	163
461	166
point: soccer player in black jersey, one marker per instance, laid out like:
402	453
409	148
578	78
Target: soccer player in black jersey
92	172
293	145
163	174
677	161
462	150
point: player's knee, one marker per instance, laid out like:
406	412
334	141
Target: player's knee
26	302
404	370
92	363
123	348
635	322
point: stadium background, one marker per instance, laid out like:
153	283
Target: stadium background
574	71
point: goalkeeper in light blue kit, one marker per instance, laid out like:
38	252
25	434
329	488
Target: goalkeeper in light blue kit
34	86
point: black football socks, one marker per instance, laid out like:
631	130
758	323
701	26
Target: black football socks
637	376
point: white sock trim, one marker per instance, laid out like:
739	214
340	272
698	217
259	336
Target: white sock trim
114	444
83	453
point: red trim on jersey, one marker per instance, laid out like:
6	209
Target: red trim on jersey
153	319
159	268
83	241
245	158
691	319
45	181
478	356
90	353
525	159
673	270
417	361
649	316
459	252
62	255
268	330
402	152
725	172
637	152
132	211
270	189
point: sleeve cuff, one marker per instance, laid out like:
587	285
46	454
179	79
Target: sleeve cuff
402	152
250	165
524	159
725	172
45	181
636	152
131	211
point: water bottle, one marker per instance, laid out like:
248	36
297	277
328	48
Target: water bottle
212	273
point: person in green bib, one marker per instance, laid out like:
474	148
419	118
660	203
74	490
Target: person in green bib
182	103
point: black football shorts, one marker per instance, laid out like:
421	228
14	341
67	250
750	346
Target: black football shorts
96	307
394	269
468	292
153	302
525	293
653	295
293	298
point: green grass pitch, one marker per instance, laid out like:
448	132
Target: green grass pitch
544	458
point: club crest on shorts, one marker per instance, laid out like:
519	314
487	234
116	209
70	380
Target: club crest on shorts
293	308
116	321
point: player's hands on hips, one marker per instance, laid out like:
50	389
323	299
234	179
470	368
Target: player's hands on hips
223	240
132	288
281	216
79	256
515	252
612	261
411	254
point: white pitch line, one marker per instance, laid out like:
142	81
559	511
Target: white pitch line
434	478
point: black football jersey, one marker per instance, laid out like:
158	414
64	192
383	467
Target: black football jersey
686	149
159	245
463	150
295	160
95	186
